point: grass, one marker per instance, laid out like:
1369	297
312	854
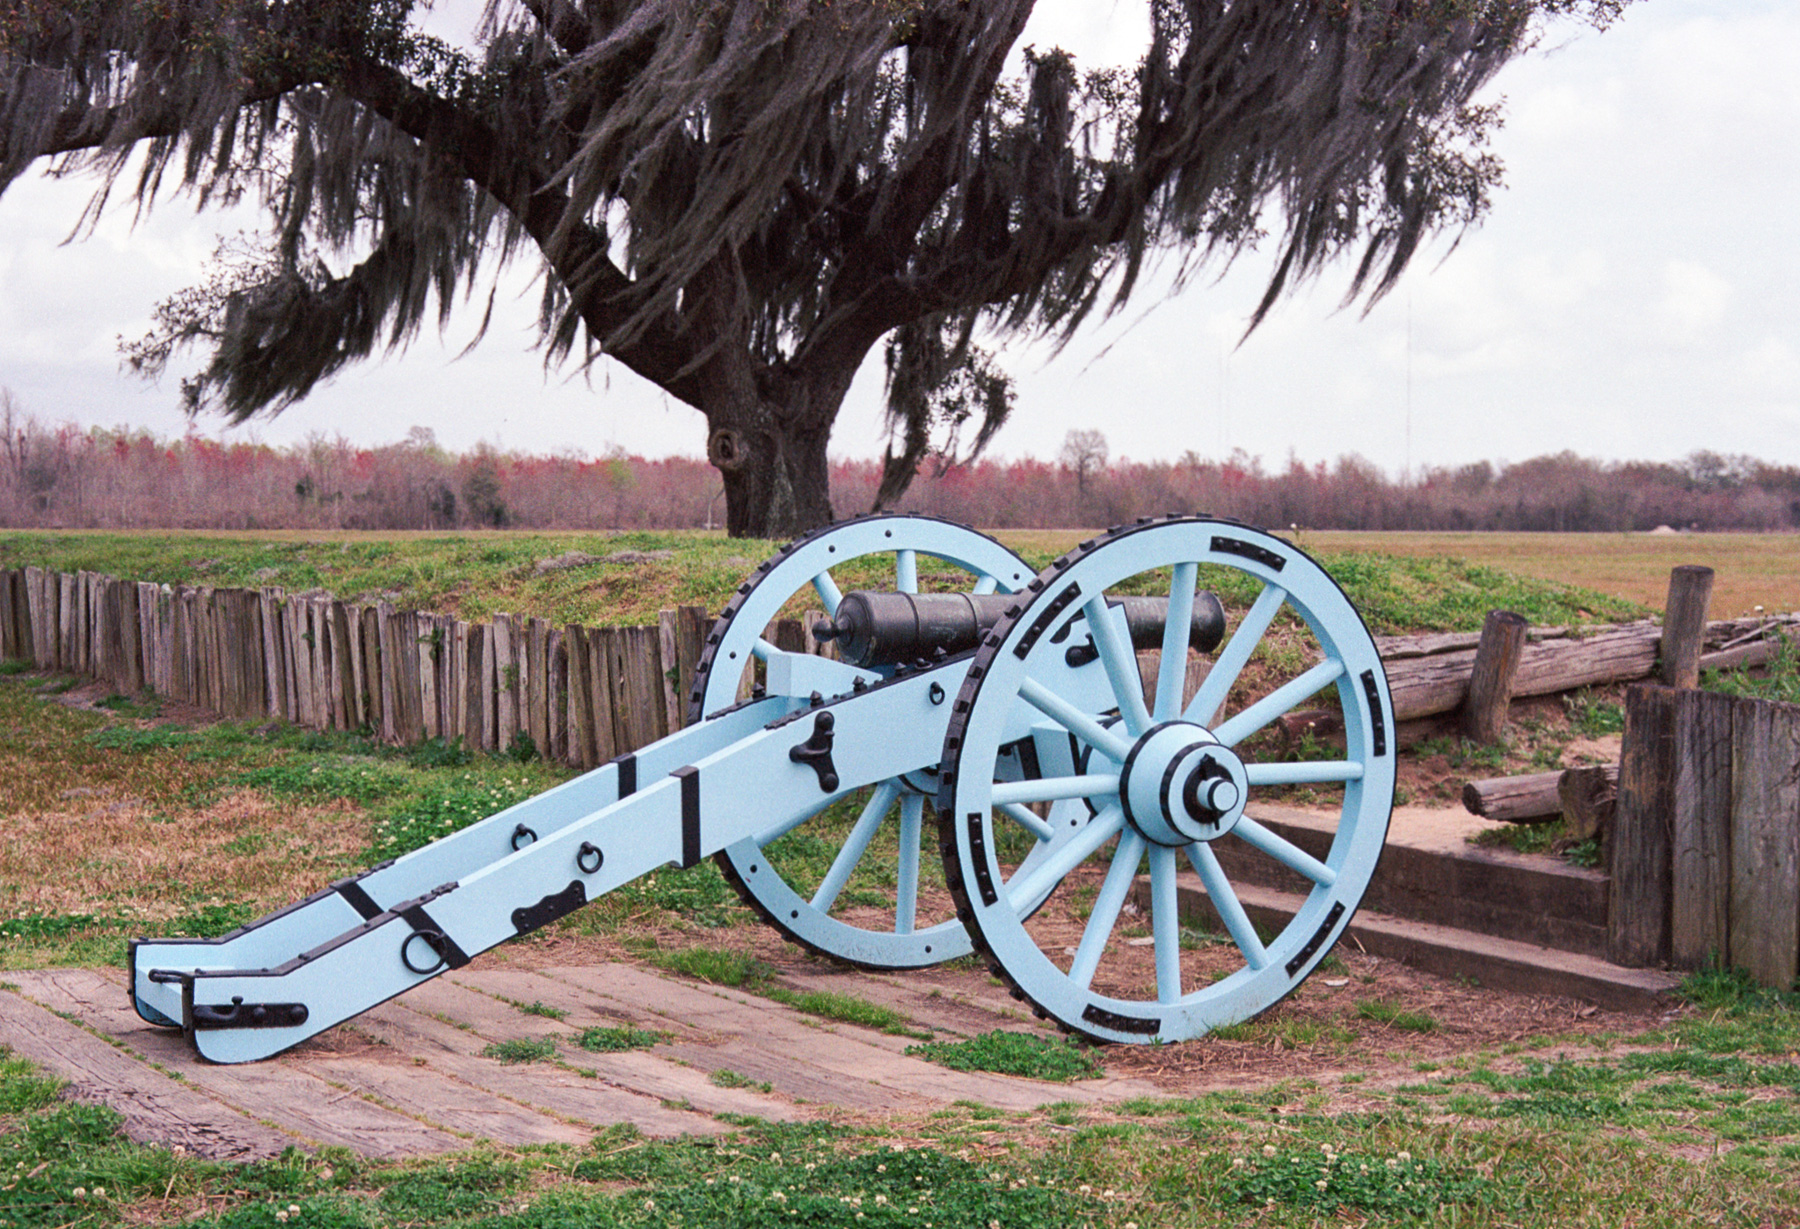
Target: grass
520	1050
726	967
1779	680
616	1039
1752	569
724	1077
1696	1122
1012	1053
1394	1016
172	830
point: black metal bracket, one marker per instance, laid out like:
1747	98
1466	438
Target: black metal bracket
557	904
1079	655
239	1014
815	752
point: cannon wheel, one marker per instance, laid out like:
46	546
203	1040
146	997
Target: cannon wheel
1168	782
807	567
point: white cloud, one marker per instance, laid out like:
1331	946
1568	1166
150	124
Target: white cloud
1694	299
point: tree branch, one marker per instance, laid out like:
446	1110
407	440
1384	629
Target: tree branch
603	294
562	22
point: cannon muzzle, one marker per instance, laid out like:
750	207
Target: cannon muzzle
885	629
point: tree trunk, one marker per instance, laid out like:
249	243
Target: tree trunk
777	484
769	448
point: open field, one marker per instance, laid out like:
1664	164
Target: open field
1752	569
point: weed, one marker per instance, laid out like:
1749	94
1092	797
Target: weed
132	739
535	1008
1011	1053
438	808
846	1008
726	1078
720	966
521	1050
1592	717
599	1040
1779	680
47	926
451	1189
439	753
208	921
1394	1016
1583	853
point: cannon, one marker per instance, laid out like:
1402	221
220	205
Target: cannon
1047	728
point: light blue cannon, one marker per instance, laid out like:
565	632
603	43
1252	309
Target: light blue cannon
1055	751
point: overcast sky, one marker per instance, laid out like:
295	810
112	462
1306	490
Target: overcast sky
1634	294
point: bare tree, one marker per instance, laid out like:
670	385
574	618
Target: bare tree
1085	452
739	200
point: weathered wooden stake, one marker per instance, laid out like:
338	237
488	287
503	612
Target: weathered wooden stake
1491	679
1700	829
1765	840
1637	919
1684	624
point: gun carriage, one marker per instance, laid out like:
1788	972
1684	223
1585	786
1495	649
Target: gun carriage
1012	708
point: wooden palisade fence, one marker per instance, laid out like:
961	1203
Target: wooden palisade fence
1705	854
581	694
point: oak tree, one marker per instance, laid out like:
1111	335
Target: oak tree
739	200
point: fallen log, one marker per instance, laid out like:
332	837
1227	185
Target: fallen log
1756	653
1529	799
1439	683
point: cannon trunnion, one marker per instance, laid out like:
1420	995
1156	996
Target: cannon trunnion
1092	727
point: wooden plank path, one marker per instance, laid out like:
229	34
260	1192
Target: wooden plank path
410	1078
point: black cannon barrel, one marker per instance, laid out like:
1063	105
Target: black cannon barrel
885	629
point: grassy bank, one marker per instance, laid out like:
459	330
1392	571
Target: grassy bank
627	578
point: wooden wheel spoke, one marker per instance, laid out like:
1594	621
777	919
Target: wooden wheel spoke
855	845
1306	772
1023	893
1121	665
1072	719
1054	789
828	593
1107	904
1033	823
1165	923
906	571
1235	655
906	893
1284	851
1225	901
1282	699
1171	670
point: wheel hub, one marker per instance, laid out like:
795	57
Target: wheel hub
1180	785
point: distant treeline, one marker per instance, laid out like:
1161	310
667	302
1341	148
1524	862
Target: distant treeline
68	477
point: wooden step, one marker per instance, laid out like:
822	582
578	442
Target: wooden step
1447	951
1528	898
